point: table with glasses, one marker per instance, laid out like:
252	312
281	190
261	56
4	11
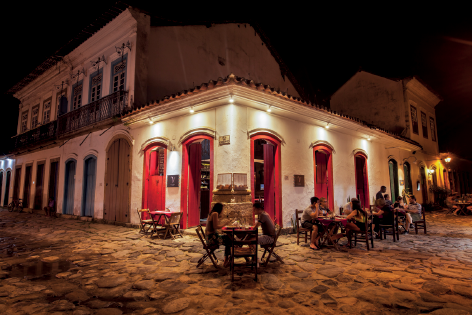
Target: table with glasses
332	228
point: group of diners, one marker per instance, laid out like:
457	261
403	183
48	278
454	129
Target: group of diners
214	238
452	203
356	216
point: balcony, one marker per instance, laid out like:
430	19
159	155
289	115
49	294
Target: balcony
36	136
94	115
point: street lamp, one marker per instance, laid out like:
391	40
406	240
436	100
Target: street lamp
447	160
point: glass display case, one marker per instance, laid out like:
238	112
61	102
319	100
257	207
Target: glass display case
224	181
240	181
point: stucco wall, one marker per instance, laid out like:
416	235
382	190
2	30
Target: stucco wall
6	165
183	56
372	98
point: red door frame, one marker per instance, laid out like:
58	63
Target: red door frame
329	151
278	173
366	178
185	173
151	146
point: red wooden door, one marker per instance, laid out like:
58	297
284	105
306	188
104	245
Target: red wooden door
361	180
155	174
269	180
194	168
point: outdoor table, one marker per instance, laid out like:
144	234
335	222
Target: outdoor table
462	206
161	216
332	227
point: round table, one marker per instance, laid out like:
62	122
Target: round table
331	233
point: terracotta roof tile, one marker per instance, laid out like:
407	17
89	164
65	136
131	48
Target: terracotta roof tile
234	80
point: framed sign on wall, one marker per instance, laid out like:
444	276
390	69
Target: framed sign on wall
173	180
299	180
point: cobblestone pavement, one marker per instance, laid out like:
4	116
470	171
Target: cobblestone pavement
59	266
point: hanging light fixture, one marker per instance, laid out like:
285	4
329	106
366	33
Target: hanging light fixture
191	110
327	126
150	121
269	109
231	100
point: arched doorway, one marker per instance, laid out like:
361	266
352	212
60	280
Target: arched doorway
88	190
197	179
407	175
424	186
7	188
362	179
154	186
117	181
69	187
393	172
38	194
265	174
16	185
323	166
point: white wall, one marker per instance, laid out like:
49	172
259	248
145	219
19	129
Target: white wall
183	56
6	165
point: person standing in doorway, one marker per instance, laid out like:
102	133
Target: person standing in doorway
50	208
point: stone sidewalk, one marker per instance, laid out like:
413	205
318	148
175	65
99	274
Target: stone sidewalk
59	266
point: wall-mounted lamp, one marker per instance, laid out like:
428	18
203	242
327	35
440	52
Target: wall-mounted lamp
327	126
368	138
121	49
191	110
430	171
269	109
231	100
447	160
96	64
150	121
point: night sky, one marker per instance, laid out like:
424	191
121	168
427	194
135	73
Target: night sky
323	47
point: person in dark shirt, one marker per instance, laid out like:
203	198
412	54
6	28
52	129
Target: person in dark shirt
388	202
380	194
50	208
383	215
398	203
265	222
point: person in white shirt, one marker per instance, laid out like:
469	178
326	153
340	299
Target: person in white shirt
413	213
347	208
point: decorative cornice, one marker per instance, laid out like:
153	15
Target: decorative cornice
322	142
253	132
201	130
355	151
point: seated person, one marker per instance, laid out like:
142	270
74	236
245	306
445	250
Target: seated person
347	208
399	206
450	203
308	220
324	207
388	202
360	217
382	215
265	222
214	238
50	208
398	203
413	213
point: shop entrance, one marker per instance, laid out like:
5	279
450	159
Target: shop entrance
17	179
362	183
38	195
88	191
197	180
154	194
324	173
265	174
27	186
393	172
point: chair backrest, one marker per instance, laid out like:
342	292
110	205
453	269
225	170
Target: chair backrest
200	233
146	215
175	218
297	217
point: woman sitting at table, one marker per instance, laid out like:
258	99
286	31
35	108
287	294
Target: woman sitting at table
213	237
383	215
450	203
360	216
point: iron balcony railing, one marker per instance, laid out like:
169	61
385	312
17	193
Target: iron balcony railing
37	135
105	108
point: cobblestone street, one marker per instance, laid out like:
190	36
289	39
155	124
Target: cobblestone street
59	266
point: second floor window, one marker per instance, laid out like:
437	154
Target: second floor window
424	124
58	100
96	87
34	117
46	111
77	96
24	121
119	74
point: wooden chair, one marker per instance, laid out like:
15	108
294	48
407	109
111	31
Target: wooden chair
269	248
237	251
210	250
301	229
421	223
172	225
392	225
367	234
145	224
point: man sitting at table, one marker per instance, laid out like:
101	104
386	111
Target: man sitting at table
382	215
388	202
308	222
413	213
380	194
265	222
324	206
347	208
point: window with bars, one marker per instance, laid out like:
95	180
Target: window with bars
34	116
96	87
77	96
24	121
46	111
119	75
